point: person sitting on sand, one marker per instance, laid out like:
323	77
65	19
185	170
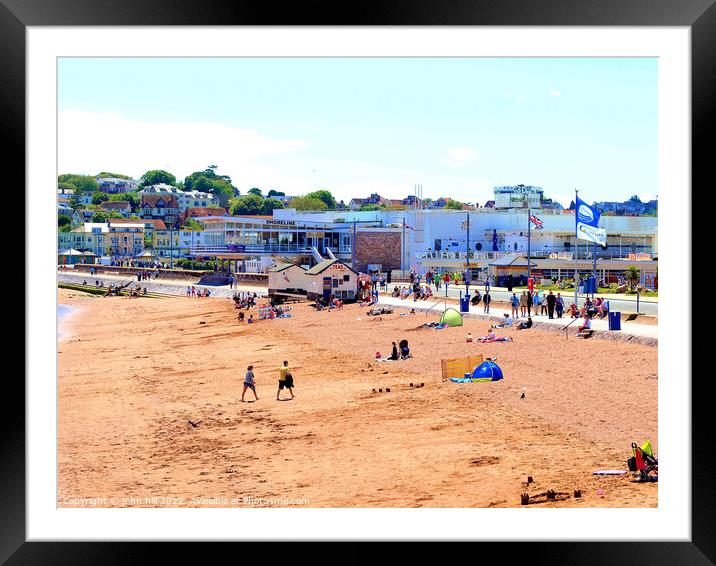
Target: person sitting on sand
603	309
249	383
506	321
573	312
251	319
524	325
241	316
586	324
476	298
404	349
394	355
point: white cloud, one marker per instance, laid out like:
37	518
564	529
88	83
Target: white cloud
92	142
521	98
459	156
555	93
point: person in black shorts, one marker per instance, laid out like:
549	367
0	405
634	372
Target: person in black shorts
285	379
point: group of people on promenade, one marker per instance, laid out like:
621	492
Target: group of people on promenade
549	304
285	381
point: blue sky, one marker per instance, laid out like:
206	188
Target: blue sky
458	126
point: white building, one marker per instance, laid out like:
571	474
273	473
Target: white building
185	199
519	196
116	185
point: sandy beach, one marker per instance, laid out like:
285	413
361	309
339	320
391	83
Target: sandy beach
134	372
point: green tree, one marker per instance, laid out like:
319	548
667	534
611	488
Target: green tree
308	203
633	276
634	198
112	175
85	183
66	228
100	216
273	193
270	204
157	176
453	204
325	196
363	207
114	214
255	191
75	201
249	204
63	220
192	224
209	182
99	198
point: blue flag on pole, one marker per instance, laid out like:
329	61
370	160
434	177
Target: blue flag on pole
587	220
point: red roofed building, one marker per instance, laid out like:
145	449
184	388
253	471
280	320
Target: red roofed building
199	212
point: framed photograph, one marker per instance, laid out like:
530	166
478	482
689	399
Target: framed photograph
179	160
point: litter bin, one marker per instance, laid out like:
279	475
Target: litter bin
615	321
465	303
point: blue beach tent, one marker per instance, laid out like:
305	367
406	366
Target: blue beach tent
486	371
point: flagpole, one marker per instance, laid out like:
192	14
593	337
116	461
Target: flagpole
576	248
529	237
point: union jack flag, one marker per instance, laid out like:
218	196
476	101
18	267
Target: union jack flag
536	221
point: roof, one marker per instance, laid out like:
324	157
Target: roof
513	260
153	199
116	204
205	211
156	224
325	264
283	266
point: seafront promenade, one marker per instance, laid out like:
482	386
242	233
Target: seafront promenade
436	304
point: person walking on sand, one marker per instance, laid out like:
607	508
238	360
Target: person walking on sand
486	301
285	379
249	383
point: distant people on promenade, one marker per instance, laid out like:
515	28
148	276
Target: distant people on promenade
559	305
551	301
515	305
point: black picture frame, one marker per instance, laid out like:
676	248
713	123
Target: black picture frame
699	15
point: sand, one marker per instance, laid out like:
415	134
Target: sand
133	372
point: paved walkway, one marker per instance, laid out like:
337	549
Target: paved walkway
437	307
165	286
622	303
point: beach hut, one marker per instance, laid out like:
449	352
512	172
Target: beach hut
514	265
331	277
451	317
287	278
72	256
